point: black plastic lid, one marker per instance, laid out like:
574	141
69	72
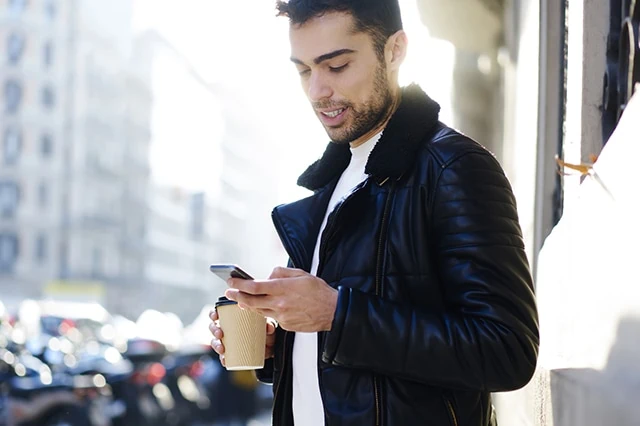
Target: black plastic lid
223	301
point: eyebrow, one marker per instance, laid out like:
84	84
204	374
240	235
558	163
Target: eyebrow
325	57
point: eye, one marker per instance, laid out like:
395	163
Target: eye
304	72
340	68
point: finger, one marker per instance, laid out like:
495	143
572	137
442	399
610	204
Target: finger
255	287
271	328
247	286
223	361
281	272
215	331
270	343
259	303
213	315
217	346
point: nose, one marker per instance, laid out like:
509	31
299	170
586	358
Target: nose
319	88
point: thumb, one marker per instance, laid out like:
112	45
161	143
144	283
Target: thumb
271	327
281	272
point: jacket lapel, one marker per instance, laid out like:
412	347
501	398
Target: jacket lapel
298	225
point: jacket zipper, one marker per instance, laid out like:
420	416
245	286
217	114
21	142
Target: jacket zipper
377	390
324	243
452	412
383	229
328	231
282	373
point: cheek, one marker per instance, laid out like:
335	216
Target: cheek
350	86
360	88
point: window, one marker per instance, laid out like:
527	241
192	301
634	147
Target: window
12	95
9	197
197	216
43	195
96	263
41	248
48	54
63	260
16	7
11	146
15	47
51	9
8	252
46	146
48	97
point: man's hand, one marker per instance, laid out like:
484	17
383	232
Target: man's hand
217	345
297	300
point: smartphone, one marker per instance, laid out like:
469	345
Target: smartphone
229	271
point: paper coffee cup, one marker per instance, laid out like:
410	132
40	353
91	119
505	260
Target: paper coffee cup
244	336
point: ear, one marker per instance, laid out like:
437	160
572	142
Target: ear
396	50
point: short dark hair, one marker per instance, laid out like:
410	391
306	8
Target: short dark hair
380	18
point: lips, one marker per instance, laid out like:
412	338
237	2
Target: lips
334	113
333	117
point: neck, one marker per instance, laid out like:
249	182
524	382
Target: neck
380	127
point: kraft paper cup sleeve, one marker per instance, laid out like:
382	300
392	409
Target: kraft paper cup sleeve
244	336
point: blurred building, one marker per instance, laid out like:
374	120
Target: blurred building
221	149
74	125
202	144
248	191
87	109
30	155
183	239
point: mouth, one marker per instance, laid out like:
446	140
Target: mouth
334	113
334	117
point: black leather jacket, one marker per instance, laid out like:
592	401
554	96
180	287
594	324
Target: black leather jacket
436	306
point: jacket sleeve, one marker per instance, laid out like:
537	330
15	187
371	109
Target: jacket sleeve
486	337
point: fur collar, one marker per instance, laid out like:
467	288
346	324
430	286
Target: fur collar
395	152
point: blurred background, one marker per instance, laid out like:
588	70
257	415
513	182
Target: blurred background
142	140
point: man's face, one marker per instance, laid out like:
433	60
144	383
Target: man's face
346	82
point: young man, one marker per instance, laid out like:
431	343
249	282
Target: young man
409	298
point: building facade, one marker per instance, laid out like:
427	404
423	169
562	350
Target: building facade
32	154
206	142
183	239
74	125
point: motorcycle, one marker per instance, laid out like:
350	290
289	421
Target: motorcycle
184	370
149	400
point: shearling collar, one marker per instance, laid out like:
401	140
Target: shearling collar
394	153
